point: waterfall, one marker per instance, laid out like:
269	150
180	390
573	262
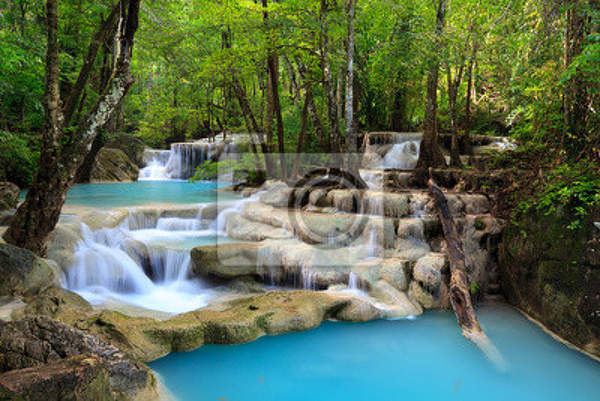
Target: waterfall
181	161
141	262
404	154
353	281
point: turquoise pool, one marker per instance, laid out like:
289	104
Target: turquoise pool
425	359
110	195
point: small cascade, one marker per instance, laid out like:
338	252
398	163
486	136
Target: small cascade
142	261
181	161
404	154
353	282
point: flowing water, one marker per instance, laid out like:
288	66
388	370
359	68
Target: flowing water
424	359
143	262
181	161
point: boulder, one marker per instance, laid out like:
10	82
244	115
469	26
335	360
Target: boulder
113	165
43	359
133	147
226	261
428	285
9	195
245	230
358	310
277	194
23	273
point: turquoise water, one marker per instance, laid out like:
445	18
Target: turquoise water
425	359
111	195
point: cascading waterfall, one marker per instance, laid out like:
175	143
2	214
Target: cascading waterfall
130	263
181	161
404	154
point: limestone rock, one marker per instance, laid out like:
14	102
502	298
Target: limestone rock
113	165
226	261
358	310
428	285
277	194
242	229
22	272
9	195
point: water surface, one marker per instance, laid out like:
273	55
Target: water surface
425	359
119	194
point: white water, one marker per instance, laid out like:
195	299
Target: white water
182	160
403	155
137	263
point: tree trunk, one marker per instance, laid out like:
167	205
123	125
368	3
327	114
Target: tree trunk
63	150
453	85
469	96
353	162
302	134
312	109
251	125
460	297
333	142
575	92
430	154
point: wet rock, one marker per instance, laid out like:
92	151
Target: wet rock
62	243
9	195
475	204
396	304
428	286
113	165
318	197
344	200
242	229
226	261
393	271
41	352
277	194
358	310
549	271
23	273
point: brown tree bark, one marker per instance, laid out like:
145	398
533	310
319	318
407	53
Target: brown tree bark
460	297
469	97
63	149
302	134
334	130
430	154
453	85
98	39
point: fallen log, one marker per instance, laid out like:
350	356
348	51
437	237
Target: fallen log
460	298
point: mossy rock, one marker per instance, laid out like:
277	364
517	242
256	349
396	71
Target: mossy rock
23	273
132	146
549	271
113	165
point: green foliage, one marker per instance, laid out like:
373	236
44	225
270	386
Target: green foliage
18	162
574	189
211	170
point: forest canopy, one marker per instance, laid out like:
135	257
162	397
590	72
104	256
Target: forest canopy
519	68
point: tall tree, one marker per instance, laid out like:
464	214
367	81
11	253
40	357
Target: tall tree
64	147
430	154
576	99
350	131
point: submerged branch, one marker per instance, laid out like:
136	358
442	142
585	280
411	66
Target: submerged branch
460	297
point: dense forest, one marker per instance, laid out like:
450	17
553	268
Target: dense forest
310	75
152	198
